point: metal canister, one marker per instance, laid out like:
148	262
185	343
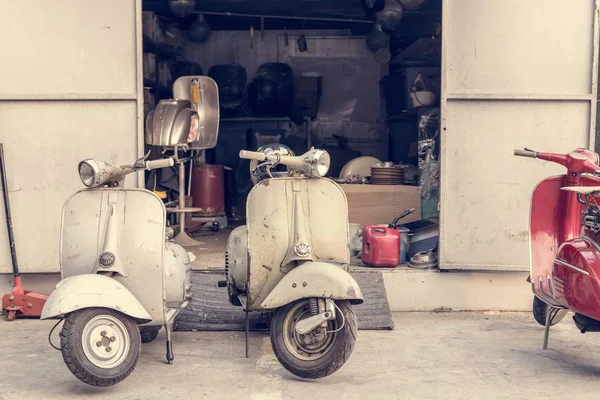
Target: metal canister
208	190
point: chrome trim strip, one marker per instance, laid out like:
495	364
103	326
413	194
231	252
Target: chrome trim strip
542	295
574	268
592	241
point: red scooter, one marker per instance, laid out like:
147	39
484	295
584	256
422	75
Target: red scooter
564	241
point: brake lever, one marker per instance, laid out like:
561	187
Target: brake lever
140	163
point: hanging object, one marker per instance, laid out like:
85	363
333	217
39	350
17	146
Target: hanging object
374	5
412	4
251	36
383	56
377	39
390	16
302	45
182	8
286	38
199	31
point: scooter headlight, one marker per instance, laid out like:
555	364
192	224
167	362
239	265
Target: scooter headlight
89	172
321	163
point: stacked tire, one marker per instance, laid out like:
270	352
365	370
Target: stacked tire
271	93
232	81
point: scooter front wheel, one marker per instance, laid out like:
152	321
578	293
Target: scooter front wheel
100	346
318	353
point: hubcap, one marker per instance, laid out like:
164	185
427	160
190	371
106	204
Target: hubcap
314	344
105	341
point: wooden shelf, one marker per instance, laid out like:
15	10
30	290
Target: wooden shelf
159	49
162	91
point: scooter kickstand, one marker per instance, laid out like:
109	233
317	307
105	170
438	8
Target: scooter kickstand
549	318
170	355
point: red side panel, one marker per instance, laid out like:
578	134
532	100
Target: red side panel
550	226
575	280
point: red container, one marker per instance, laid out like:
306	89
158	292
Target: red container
208	190
381	246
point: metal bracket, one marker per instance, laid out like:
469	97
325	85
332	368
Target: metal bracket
309	324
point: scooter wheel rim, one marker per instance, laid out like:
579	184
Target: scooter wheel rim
294	341
105	341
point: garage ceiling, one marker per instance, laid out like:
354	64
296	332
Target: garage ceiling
429	13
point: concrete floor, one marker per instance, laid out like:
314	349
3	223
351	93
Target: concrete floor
427	356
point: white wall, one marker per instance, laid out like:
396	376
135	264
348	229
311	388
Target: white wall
70	89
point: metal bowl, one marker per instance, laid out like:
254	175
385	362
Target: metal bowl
423	259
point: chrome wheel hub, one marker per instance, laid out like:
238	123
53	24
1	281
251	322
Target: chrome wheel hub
105	341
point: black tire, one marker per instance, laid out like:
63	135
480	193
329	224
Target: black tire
340	347
74	355
540	310
149	333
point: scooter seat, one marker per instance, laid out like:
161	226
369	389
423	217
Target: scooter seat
585	190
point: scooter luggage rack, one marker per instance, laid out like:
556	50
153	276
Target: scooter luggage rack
182	238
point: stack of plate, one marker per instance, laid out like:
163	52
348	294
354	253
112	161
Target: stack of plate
387	174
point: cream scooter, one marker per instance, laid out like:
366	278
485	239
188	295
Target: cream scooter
122	278
291	260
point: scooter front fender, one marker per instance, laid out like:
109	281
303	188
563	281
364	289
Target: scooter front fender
92	290
314	279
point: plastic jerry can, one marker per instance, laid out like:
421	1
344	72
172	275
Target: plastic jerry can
381	246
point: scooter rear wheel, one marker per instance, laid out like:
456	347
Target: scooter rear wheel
316	354
149	333
541	309
100	346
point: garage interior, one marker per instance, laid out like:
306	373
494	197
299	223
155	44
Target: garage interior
358	78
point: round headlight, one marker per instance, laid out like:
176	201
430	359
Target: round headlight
89	172
323	161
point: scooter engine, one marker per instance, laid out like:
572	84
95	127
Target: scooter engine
586	324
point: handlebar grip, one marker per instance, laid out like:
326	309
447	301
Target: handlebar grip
163	163
253	155
525	153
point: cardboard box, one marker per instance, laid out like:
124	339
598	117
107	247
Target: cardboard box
164	74
149	65
173	37
380	204
307	95
151	27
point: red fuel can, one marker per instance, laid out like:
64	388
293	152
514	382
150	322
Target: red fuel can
381	246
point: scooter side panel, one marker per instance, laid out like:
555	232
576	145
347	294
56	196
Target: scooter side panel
138	246
285	213
548	229
575	276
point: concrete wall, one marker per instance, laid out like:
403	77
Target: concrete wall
70	88
407	290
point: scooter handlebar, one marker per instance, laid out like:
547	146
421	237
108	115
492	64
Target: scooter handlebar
253	155
525	153
156	164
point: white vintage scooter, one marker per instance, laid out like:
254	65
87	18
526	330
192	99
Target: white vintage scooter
122	279
291	260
